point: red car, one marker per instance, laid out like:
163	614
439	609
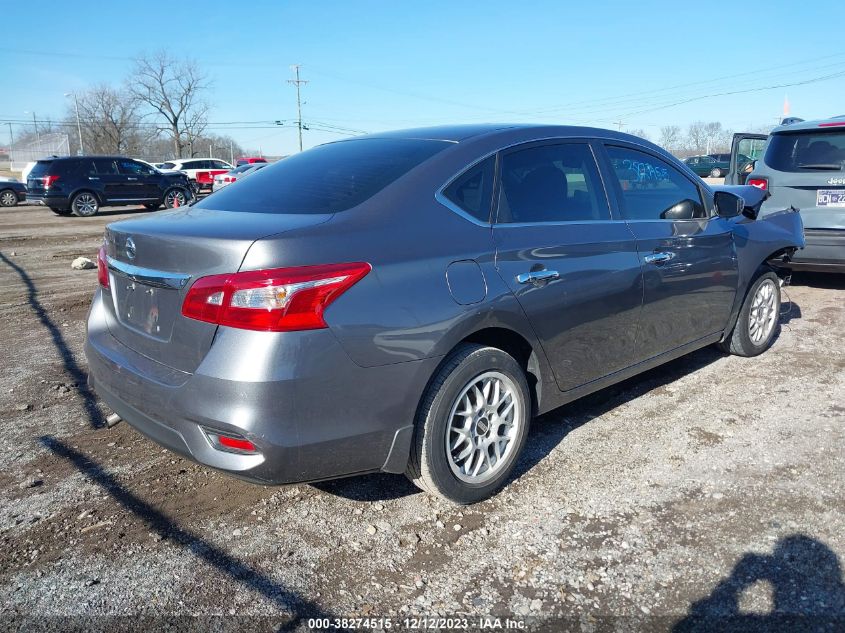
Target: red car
249	160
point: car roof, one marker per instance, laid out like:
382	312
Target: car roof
831	122
461	133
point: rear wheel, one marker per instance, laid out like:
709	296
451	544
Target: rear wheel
85	204
471	425
758	318
59	211
8	198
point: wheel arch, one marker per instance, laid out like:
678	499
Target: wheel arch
93	192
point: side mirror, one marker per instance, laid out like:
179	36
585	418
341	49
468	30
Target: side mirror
684	210
728	205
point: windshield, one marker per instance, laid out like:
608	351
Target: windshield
326	179
806	150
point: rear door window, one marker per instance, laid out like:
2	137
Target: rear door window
806	151
651	188
472	191
105	166
326	179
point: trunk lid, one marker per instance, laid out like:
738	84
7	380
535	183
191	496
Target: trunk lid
153	262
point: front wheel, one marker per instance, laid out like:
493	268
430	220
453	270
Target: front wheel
85	204
758	318
8	198
471	425
175	198
715	173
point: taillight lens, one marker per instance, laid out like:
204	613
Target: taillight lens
229	442
760	183
102	268
49	180
274	300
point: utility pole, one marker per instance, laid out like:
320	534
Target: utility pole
619	125
298	82
11	138
231	152
78	124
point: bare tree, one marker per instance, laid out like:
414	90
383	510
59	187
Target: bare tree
108	119
173	91
639	132
670	137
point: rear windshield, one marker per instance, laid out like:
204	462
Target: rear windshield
40	169
806	151
326	179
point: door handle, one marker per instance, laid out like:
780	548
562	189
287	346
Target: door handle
658	258
537	277
93	178
131	178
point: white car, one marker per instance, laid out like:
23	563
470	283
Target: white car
200	171
222	180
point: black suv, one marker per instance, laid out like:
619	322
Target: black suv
82	184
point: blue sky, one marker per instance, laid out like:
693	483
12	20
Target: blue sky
375	65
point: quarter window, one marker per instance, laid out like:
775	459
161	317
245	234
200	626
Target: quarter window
652	189
472	191
551	183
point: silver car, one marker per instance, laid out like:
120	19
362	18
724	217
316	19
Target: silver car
407	302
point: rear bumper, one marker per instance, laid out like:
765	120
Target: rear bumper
313	415
58	202
824	251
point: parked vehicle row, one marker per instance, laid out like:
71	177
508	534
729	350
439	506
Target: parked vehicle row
407	302
82	184
200	171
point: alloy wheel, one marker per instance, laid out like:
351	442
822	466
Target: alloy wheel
8	199
763	313
484	422
171	198
85	204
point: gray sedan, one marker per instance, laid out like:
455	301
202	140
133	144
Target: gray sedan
407	302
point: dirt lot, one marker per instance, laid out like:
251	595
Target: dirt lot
712	486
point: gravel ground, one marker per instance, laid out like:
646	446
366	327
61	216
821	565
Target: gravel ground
709	487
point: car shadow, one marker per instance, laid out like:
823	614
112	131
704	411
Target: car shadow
807	592
824	281
80	378
158	522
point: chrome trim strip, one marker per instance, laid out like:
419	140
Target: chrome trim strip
148	276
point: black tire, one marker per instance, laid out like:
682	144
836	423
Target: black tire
153	206
430	466
8	198
59	211
85	204
740	341
173	194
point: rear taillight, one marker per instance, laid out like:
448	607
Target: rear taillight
229	179
102	268
760	183
48	181
275	300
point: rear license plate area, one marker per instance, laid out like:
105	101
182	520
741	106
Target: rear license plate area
830	198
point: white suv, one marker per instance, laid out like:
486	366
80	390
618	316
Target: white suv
200	171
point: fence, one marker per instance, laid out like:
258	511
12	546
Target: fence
46	145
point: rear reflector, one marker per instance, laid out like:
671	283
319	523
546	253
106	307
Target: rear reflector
229	442
760	183
274	300
102	268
